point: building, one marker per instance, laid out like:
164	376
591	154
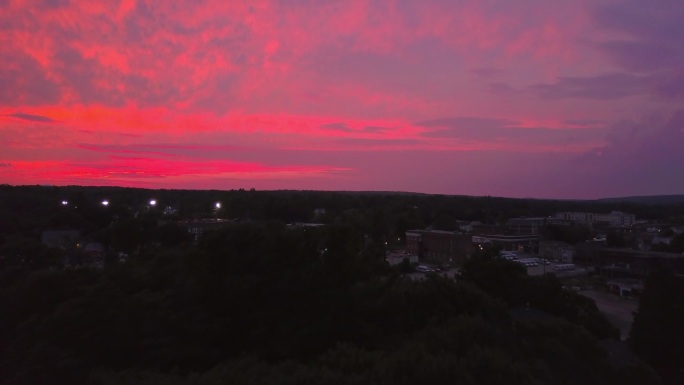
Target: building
197	227
446	247
465	226
485	228
395	258
296	225
625	287
92	255
629	263
523	226
556	251
615	218
520	226
62	239
517	243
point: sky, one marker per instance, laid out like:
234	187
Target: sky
525	98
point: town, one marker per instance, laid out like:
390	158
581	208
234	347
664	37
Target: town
155	254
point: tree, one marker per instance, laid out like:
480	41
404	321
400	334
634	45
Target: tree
497	277
657	335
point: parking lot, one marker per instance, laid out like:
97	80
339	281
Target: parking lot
537	266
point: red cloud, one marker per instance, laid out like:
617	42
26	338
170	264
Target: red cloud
137	171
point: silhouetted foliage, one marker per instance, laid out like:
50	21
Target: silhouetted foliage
657	335
259	302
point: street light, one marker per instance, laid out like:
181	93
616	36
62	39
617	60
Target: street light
153	202
105	203
217	209
64	203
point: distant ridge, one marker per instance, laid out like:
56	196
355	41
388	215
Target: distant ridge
649	200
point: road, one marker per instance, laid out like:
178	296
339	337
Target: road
618	310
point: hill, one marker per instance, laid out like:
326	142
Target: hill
649	199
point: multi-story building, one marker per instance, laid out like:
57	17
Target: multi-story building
615	218
516	243
524	226
613	262
556	251
439	246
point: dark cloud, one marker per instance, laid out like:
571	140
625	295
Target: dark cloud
5	164
501	88
465	121
658	20
32	118
375	130
336	127
671	86
345	128
642	56
584	122
87	78
641	157
24	82
51	4
608	86
171	150
465	126
659	85
485	130
93	83
654	33
376	142
139	24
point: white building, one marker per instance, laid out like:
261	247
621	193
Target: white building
615	218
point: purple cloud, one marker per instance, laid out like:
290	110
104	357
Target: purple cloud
342	127
614	86
642	56
655	30
336	127
363	142
601	87
487	72
641	157
375	129
32	118
24	81
466	127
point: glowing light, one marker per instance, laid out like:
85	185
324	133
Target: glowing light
105	203
218	205
64	203
153	202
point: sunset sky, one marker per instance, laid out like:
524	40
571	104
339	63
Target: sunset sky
525	98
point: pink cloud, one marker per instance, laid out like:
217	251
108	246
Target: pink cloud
251	85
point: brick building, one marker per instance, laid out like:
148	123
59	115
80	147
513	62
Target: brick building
446	247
